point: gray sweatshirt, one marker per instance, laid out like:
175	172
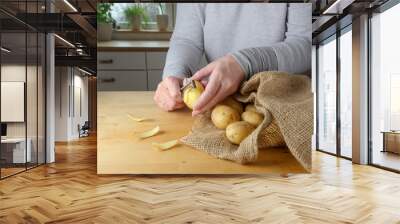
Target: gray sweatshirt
260	36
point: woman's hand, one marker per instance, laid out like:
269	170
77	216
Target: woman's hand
168	95
224	78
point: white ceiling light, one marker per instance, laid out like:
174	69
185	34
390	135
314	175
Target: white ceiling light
86	72
65	41
5	50
338	6
70	5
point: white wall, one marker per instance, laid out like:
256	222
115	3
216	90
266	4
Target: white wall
16	73
62	81
71	93
33	126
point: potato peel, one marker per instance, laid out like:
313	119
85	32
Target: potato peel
150	133
137	119
165	145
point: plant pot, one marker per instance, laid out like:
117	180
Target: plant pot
136	22
104	31
162	22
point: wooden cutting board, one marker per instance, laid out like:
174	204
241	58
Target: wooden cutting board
120	151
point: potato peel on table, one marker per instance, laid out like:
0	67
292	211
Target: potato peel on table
165	145
137	119
150	133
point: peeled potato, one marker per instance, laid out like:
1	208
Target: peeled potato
251	107
223	115
252	117
191	95
229	101
237	131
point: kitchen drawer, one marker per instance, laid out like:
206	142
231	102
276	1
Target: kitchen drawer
122	81
154	77
156	60
121	60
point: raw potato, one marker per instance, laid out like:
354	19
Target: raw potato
252	117
165	145
229	101
150	133
251	107
223	115
238	131
191	95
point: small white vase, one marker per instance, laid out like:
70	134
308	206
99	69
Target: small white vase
136	22
104	31
162	22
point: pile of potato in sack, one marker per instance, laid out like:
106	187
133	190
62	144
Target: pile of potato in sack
227	114
271	109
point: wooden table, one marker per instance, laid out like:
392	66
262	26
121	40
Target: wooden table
120	151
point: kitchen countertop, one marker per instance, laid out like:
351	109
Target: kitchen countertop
133	45
120	151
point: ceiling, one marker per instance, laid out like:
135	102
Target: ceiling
72	20
330	15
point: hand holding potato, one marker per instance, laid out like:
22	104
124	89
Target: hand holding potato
168	95
225	76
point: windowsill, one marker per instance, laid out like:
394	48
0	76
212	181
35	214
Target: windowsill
133	45
143	34
142	31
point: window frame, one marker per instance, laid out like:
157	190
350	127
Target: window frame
170	9
380	9
333	37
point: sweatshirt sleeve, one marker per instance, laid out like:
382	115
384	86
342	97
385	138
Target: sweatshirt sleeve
292	55
186	44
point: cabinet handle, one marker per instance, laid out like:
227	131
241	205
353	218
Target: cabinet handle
108	61
107	80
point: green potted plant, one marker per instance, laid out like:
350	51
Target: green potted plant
162	17
104	22
134	14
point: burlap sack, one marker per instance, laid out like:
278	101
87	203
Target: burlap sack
285	100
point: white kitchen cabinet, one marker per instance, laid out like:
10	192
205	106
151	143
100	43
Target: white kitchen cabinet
121	60
154	77
122	80
155	60
130	71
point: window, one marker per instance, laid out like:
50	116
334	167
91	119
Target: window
152	10
22	87
346	92
327	96
385	89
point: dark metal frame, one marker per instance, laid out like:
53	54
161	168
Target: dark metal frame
389	4
44	70
339	32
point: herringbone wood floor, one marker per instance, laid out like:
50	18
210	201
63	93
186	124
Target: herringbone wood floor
69	191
